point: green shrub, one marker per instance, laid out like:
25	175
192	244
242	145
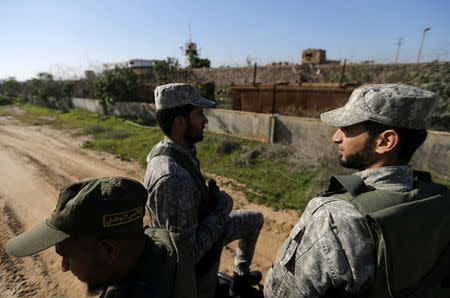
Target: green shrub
118	84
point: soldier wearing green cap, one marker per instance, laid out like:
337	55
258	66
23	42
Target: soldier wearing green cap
383	231
97	229
179	197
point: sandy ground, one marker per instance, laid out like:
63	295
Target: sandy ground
34	162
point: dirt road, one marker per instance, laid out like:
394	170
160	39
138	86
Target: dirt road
34	162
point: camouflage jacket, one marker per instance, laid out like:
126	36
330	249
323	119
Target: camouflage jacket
330	246
174	201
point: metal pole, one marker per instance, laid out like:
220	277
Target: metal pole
254	75
421	43
342	74
399	43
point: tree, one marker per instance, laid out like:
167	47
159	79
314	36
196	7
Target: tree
11	87
118	84
166	69
43	86
197	62
67	88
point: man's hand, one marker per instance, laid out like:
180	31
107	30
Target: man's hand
224	203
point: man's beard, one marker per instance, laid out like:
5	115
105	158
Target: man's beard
360	160
190	135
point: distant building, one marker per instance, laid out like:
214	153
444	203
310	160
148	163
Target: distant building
141	67
133	64
316	56
313	56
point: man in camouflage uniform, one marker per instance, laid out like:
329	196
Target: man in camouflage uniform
97	229
178	196
332	251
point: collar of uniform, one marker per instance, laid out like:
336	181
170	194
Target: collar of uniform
395	178
187	149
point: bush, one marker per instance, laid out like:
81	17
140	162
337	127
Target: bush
227	147
197	62
118	84
206	89
44	87
165	70
11	87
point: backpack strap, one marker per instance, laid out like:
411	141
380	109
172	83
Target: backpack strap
422	176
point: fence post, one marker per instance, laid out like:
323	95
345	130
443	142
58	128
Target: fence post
272	120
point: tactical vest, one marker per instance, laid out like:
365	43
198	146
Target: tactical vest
411	231
165	270
206	268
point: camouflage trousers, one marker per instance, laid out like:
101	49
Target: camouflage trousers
245	226
242	225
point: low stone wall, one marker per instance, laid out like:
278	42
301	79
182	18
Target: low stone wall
91	105
308	134
242	124
145	111
312	135
434	154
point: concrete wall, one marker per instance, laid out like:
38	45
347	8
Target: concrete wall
145	111
314	136
242	124
434	154
308	134
91	105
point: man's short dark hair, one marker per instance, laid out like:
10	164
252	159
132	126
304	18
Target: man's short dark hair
409	139
166	117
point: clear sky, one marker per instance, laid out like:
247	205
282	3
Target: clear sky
66	37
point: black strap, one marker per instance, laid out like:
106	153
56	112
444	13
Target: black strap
423	176
352	184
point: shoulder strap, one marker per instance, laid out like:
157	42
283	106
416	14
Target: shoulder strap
351	183
422	176
348	187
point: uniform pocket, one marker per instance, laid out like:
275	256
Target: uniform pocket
289	247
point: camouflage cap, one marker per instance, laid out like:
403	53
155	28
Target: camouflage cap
91	206
176	95
391	104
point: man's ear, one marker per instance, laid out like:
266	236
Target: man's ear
387	141
179	122
110	249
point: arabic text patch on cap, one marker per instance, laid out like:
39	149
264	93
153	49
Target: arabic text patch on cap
176	95
397	105
91	206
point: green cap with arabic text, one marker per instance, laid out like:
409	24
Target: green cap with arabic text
91	206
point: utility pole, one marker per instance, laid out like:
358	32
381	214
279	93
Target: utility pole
421	43
399	44
190	34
